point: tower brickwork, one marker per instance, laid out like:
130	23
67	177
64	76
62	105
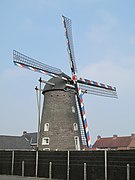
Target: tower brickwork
59	128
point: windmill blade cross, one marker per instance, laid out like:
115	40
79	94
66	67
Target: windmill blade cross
24	61
70	49
95	88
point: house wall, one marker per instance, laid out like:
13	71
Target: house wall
132	144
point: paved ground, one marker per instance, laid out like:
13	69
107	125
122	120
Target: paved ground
5	177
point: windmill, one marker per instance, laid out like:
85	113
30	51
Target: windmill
63	124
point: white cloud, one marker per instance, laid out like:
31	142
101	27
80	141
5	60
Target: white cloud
107	18
106	22
113	74
119	74
96	32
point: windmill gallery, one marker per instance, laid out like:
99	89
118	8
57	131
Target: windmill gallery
63	123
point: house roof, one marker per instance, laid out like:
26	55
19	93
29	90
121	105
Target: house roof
14	142
113	142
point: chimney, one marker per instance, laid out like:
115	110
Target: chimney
132	135
115	136
98	137
24	132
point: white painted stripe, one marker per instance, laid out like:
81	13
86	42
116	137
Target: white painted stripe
53	75
64	78
89	143
44	72
84	117
19	65
87	130
69	85
82	105
31	68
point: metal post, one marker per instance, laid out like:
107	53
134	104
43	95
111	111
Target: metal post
39	108
22	168
38	95
12	168
36	173
68	165
85	172
128	172
38	112
50	170
105	164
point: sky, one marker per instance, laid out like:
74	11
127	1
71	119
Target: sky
104	44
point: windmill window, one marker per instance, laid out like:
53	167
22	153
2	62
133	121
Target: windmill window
46	149
75	126
77	143
46	127
45	141
73	109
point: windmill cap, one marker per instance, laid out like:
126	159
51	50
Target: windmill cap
60	84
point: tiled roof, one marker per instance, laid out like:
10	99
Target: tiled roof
113	142
14	142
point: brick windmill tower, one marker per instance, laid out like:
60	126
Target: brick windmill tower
63	124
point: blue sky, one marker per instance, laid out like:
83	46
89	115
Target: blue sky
104	43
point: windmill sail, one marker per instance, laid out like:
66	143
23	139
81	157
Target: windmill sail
98	91
95	88
70	49
24	61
